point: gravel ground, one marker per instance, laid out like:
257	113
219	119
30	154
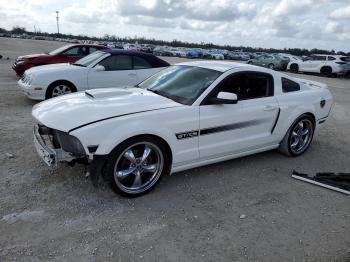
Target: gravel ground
57	215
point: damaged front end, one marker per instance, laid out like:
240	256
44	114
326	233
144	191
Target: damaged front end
55	146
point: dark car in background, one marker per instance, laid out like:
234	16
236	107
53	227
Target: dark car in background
270	61
64	54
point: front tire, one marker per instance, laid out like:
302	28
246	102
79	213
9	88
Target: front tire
59	88
137	165
299	137
271	66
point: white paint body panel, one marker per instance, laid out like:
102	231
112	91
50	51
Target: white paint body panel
111	116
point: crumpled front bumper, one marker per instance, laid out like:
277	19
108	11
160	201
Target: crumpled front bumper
42	137
47	154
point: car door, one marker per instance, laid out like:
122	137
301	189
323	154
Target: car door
260	60
118	71
233	128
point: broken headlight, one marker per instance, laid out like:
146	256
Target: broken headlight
69	143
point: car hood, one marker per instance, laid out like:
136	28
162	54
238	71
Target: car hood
54	68
32	56
71	111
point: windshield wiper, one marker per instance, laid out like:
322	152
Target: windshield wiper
161	93
78	65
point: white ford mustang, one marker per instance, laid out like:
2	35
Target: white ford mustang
188	115
108	68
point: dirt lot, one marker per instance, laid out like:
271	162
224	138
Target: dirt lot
58	215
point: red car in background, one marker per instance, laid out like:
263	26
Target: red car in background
64	54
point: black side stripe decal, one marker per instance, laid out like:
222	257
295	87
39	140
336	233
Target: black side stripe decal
278	116
217	129
224	128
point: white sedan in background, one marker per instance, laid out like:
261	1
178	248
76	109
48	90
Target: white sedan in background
188	115
107	68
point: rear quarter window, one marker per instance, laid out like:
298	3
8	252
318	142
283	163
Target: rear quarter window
289	85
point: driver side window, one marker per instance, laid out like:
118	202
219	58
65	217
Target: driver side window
75	51
247	85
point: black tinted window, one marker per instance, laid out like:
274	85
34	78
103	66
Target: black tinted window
289	85
248	85
114	63
319	58
140	63
73	51
92	49
331	58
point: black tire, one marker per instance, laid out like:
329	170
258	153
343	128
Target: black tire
124	185
50	90
286	146
249	62
294	68
271	66
326	71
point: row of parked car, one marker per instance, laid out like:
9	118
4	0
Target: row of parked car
327	65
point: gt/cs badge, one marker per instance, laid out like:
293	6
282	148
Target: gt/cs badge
185	135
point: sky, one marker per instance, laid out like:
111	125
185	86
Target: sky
307	24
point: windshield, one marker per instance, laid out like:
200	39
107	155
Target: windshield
183	84
87	60
58	50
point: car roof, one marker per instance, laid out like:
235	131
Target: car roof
221	66
152	59
71	45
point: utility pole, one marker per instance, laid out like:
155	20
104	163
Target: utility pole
58	27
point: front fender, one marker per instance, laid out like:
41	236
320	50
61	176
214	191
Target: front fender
164	124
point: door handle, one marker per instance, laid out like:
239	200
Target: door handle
269	108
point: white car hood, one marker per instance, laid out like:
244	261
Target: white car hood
54	68
68	112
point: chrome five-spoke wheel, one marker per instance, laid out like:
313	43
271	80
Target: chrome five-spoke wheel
301	136
137	165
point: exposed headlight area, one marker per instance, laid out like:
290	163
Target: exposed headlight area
56	140
68	143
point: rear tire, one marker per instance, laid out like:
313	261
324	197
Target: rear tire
294	68
137	165
298	137
271	66
326	71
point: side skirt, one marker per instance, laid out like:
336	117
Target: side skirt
179	168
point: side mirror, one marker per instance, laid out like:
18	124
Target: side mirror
99	68
224	98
